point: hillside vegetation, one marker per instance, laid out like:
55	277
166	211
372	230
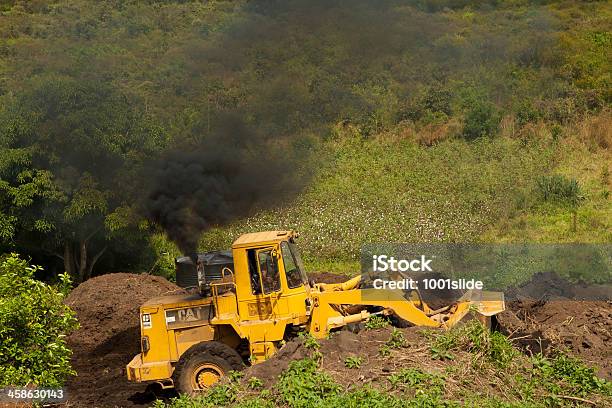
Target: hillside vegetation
403	121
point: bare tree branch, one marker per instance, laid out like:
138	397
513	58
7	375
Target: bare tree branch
94	260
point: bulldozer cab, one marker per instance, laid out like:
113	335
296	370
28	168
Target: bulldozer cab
270	278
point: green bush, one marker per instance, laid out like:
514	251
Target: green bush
257	402
559	189
432	104
397	339
309	341
33	325
165	252
526	113
220	395
255	383
481	119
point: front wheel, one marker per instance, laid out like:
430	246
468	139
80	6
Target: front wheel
203	365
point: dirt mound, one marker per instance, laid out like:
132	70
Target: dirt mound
109	336
548	286
269	370
375	369
338	347
583	328
366	345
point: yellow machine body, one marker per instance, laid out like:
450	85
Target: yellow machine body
266	297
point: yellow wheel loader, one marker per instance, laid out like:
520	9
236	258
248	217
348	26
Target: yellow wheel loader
252	299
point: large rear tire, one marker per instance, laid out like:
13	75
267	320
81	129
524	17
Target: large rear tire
203	365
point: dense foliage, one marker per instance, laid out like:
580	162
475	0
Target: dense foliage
33	325
436	118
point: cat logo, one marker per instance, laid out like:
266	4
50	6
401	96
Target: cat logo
189	316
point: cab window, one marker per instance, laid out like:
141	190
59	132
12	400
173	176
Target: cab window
268	269
294	278
254	272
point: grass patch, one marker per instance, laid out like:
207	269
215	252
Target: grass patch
339	266
490	190
565	374
254	383
303	386
420	381
486	346
575	159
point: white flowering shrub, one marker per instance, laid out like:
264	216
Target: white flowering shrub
400	192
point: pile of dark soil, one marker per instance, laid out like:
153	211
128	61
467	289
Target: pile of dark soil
550	314
374	369
343	344
550	286
109	336
582	328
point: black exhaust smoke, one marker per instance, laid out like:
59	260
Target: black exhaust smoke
228	176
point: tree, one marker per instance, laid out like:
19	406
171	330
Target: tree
33	324
481	119
71	150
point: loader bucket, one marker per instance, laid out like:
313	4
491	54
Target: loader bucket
478	304
330	303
